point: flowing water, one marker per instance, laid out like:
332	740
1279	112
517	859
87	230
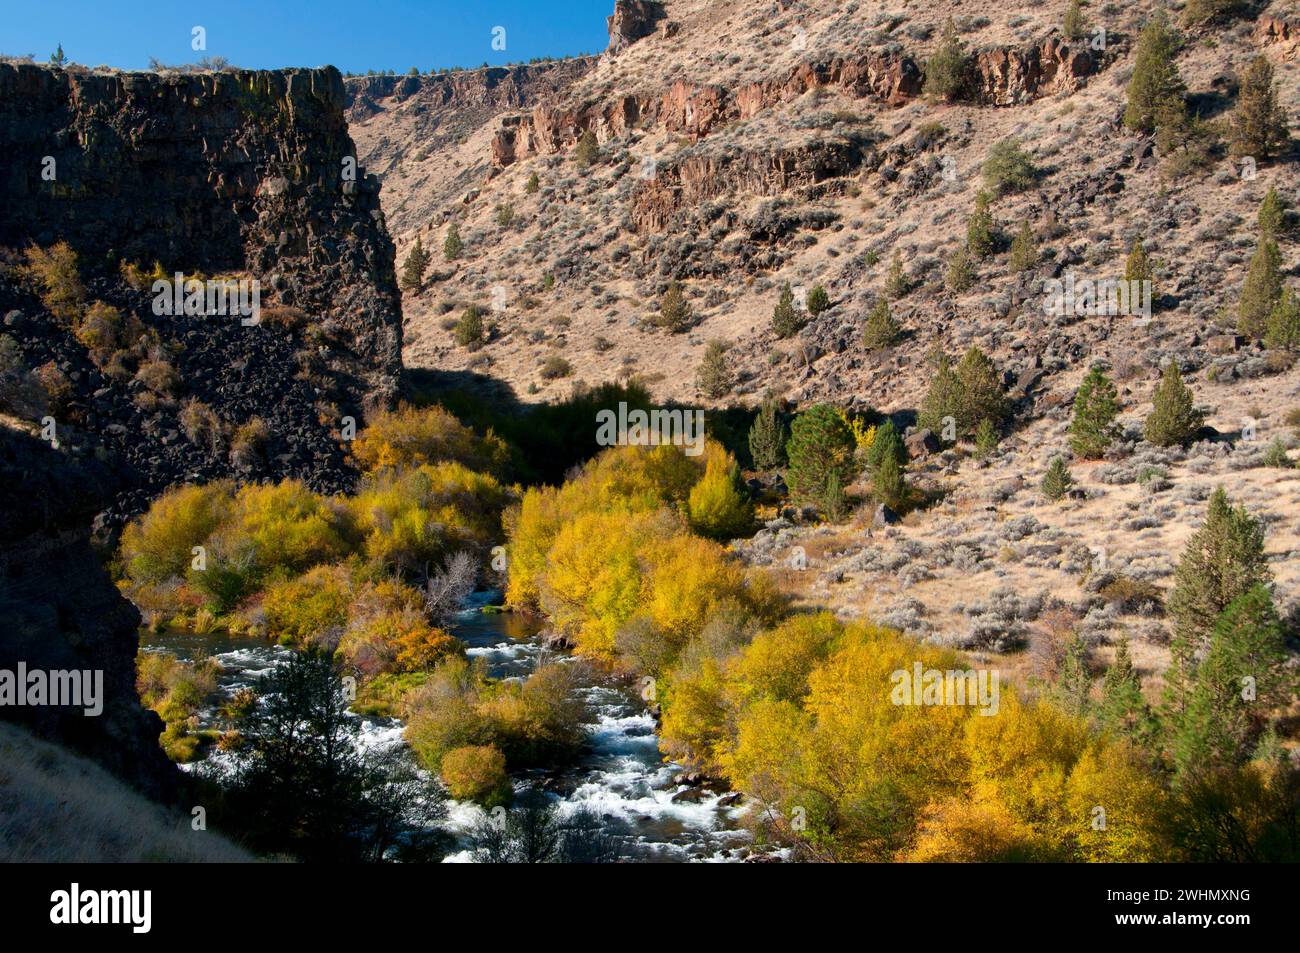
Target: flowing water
620	777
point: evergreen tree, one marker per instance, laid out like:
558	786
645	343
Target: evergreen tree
532	185
1222	560
887	443
786	319
675	314
1123	709
469	329
834	503
980	392
1075	25
1073	683
947	70
1008	168
1155	92
1284	323
888	484
986	438
714	376
961	273
881	330
1199	13
980	238
1263	287
1057	481
818	300
57	59
767	436
941	400
1271	215
897	283
1173	420
1234	688
1137	267
1259	126
417	263
1093	428
821	444
1024	249
452	246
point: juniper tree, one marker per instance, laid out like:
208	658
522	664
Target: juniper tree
941	400
1272	215
1074	26
818	300
469	329
1008	168
887	443
888	484
786	319
1123	709
416	264
1222	560
980	392
767	436
714	376
1259	126
1137	267
675	314
1155	91
947	70
986	438
1204	12
1093	428
452	246
1073	683
1234	688
881	330
1173	420
1263	287
532	185
897	282
979	230
833	502
1057	480
961	273
1283	332
1024	249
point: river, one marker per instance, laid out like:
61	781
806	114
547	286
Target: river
620	777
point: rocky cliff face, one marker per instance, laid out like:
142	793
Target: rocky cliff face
1001	76
240	171
62	612
632	20
251	174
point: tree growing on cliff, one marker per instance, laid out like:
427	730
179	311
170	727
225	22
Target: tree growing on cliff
1259	126
57	59
1075	24
413	269
948	68
452	245
587	151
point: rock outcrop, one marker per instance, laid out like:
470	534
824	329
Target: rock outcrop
62	612
1002	76
632	20
243	171
1276	32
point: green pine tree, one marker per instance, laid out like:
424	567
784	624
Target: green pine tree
1123	709
1156	89
532	185
887	443
469	329
980	237
767	436
818	300
897	283
675	313
889	485
1259	126
947	71
1093	428
1272	215
980	392
986	438
1284	323
942	401
1137	267
961	272
1057	481
1075	25
786	318
1024	249
1174	419
1073	686
1263	287
714	376
821	443
587	152
452	246
881	330
417	263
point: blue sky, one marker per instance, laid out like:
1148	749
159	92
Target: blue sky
354	35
